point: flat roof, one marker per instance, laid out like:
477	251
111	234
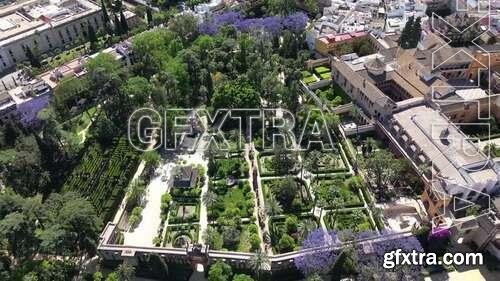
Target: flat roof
24	19
450	151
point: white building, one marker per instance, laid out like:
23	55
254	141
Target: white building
43	25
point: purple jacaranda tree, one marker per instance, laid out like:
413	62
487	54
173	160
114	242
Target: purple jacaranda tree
370	256
319	252
272	25
295	22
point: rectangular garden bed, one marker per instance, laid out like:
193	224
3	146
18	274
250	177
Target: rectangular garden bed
184	213
222	168
337	189
231	197
291	193
357	220
267	165
177	235
288	232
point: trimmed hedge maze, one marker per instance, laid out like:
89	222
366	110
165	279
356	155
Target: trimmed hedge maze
103	175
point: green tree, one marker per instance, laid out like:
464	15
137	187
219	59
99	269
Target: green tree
236	94
92	37
72	225
105	15
118	26
220	271
286	243
185	26
139	89
285	191
209	199
149	16
213	238
282	162
382	167
259	262
273	206
280	7
32	57
123	23
291	224
311	6
125	272
105	131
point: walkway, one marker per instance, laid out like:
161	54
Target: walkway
147	230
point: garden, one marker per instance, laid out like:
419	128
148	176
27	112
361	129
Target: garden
279	163
103	175
326	162
332	96
184	212
290	193
179	236
355	220
231	167
240	237
339	191
229	197
308	78
287	233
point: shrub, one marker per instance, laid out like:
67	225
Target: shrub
253	229
286	243
291	223
255	241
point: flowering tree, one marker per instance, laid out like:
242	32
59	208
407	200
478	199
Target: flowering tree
272	25
320	252
370	256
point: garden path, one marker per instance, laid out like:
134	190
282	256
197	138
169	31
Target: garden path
147	229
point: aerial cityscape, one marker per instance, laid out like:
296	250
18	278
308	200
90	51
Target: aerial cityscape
232	140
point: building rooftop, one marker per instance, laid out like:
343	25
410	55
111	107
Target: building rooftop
452	154
23	19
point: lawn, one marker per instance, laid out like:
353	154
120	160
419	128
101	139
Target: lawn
356	221
321	69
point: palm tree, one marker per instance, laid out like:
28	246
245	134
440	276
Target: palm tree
209	199
125	272
305	227
258	262
273	206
